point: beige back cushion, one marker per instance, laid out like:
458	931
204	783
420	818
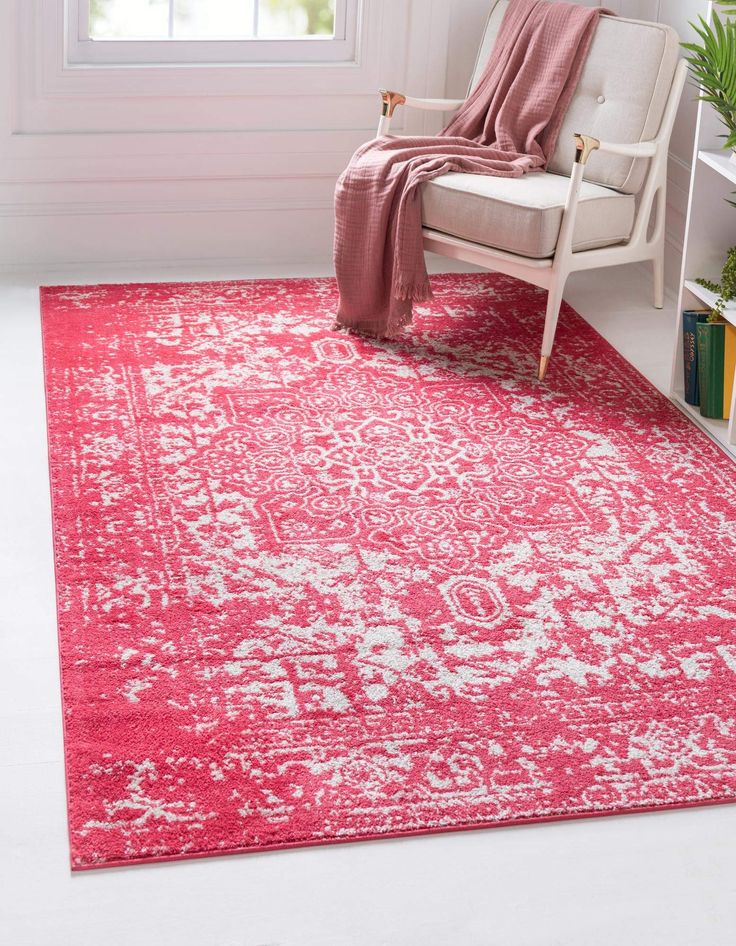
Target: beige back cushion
621	97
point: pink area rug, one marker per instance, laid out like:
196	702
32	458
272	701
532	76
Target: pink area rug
314	588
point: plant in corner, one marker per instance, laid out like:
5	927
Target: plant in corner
725	290
716	345
713	65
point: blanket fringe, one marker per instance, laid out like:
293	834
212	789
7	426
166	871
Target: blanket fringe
359	332
416	292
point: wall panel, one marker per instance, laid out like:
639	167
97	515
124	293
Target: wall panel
203	163
207	163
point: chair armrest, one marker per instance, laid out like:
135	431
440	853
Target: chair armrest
585	146
435	105
391	100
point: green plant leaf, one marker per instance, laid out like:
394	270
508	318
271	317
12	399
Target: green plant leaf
712	65
726	290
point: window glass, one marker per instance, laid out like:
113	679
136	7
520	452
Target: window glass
129	19
211	19
214	19
295	18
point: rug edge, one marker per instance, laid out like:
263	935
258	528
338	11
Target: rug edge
242	851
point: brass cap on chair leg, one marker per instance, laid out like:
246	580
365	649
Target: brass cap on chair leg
543	365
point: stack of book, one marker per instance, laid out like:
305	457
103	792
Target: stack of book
710	363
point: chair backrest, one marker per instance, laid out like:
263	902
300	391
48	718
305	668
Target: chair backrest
621	97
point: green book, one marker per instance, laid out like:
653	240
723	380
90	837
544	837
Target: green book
711	337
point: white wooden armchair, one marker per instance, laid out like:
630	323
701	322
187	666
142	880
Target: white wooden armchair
610	211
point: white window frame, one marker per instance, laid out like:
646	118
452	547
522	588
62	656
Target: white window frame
82	50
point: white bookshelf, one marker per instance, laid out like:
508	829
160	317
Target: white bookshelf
710	232
709	299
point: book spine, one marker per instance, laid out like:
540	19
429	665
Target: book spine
690	356
711	347
729	368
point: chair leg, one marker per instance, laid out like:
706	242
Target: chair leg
658	266
554	302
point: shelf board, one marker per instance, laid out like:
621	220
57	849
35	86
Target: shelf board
716	429
709	299
720	162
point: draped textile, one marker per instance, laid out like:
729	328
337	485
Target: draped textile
509	126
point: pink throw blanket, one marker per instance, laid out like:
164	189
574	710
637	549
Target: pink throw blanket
508	126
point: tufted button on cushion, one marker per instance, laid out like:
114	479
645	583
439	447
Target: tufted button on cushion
601	99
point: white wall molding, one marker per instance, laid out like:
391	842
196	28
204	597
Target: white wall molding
141	207
67	159
162	145
166	163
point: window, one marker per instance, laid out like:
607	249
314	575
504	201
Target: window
121	32
211	19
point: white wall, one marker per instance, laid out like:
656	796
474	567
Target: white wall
679	13
222	163
201	163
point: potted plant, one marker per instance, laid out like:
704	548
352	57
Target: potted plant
716	344
713	64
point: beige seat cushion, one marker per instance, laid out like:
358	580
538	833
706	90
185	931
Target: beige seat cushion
524	215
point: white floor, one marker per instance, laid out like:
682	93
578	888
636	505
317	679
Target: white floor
644	880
